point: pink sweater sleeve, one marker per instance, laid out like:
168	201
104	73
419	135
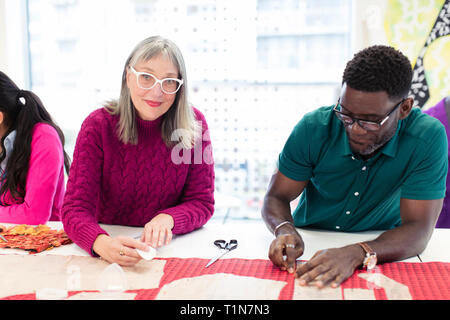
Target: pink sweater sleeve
46	163
83	187
196	205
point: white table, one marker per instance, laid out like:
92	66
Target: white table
438	248
253	242
69	268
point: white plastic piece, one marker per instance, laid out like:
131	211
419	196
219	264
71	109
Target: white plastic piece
147	255
112	280
51	294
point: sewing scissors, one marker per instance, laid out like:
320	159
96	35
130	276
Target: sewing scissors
225	247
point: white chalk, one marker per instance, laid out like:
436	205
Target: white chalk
147	255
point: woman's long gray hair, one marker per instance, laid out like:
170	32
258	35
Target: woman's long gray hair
179	118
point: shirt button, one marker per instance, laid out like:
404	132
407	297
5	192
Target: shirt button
356	194
364	168
353	158
347	212
337	227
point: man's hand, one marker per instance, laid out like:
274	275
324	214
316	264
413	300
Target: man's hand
330	266
276	209
285	249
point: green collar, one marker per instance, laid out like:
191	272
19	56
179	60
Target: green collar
389	149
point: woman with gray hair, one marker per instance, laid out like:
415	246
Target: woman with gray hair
143	160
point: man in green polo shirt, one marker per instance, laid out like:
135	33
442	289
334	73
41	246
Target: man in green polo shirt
369	162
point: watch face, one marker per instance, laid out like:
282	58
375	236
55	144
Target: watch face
371	262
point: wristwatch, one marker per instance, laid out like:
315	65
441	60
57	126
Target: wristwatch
370	260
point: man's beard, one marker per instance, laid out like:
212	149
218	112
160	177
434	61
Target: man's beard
378	144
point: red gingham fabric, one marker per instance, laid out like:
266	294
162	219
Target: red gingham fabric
425	281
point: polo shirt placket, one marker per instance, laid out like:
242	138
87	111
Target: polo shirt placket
357	193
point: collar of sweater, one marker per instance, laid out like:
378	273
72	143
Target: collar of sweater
148	126
148	129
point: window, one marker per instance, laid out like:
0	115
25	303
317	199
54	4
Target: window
254	68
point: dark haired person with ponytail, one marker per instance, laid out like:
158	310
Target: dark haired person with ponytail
32	158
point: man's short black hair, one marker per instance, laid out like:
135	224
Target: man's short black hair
379	68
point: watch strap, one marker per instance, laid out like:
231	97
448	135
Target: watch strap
366	248
370	260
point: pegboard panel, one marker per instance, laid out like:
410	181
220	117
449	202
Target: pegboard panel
249	124
254	68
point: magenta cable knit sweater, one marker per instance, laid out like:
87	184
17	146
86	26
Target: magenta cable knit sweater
114	183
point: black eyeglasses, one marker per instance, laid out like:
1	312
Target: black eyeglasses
365	124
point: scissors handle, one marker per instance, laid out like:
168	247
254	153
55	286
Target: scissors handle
222	244
225	247
231	245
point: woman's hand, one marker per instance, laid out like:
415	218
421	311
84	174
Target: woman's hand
158	231
120	250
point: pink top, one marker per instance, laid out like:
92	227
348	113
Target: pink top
115	183
44	190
